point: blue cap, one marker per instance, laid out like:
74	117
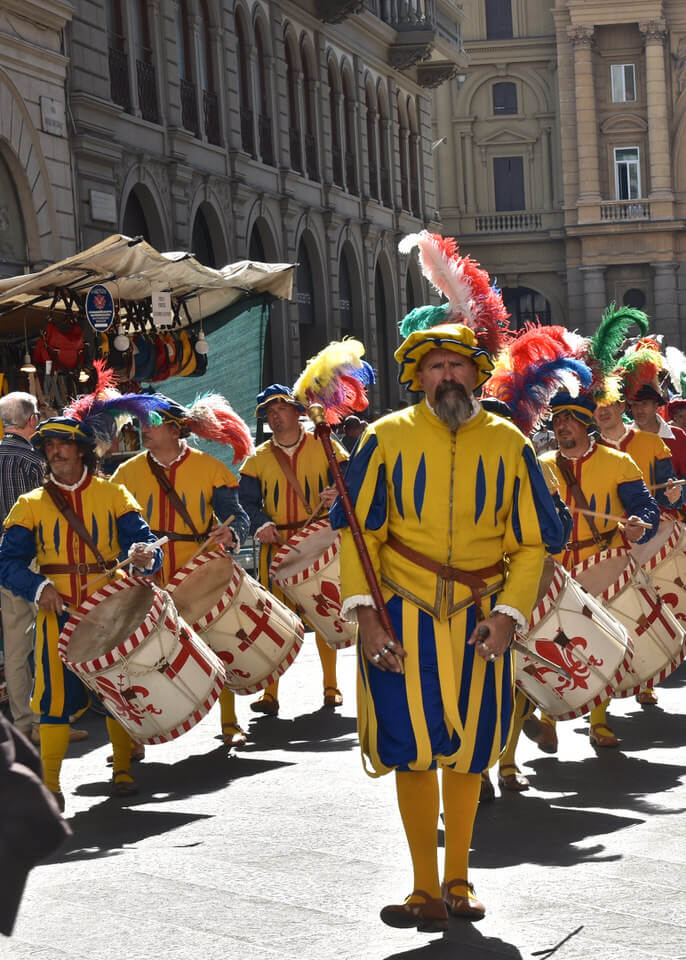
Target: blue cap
581	408
63	428
274	392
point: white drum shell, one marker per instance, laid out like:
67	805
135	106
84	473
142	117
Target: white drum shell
157	678
663	559
307	570
570	628
255	635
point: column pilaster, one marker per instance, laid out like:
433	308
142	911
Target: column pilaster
586	122
655	34
595	297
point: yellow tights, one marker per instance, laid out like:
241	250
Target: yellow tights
54	740
521	705
328	659
598	715
227	708
121	751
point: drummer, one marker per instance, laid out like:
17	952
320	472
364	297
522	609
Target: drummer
592	473
75	526
644	404
653	458
676	411
184	492
285	485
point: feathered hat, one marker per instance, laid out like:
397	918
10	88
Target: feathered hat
210	417
675	365
600	352
639	368
582	407
473	322
531	369
337	378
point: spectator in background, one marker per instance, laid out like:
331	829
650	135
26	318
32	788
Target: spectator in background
352	429
21	470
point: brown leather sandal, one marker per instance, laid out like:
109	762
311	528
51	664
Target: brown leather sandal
268	705
487	791
234	735
333	697
510	778
466	907
123	788
428	917
599	739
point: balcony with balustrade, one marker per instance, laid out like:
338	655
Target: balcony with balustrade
189	107
311	162
120	89
266	142
510	224
210	106
147	90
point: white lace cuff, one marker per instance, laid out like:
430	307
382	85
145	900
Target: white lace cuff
519	618
41	588
352	603
269	523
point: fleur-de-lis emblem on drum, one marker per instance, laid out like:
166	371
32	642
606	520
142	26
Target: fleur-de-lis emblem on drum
121	701
328	603
563	654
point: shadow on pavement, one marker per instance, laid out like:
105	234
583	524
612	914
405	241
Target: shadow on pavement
463	941
321	731
651	727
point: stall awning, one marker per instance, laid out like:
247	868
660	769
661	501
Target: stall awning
132	270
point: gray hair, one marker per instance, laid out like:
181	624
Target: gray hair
16	409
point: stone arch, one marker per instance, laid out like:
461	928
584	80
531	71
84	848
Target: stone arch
261	245
23	154
140	196
475	83
414	284
311	293
205	217
350	271
263	231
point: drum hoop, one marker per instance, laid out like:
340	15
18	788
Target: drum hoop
659	677
185	571
323	560
544	606
665	549
126	647
627	574
278	672
222	607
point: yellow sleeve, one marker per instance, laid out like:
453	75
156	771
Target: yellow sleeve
124	501
21	514
366	481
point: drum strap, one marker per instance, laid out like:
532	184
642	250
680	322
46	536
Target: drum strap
474	579
601	539
175	500
80	530
291	479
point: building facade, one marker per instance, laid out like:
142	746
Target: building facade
36	184
284	132
565	167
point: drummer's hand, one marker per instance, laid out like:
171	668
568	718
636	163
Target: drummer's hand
223	536
142	555
632	530
327	496
673	492
493	636
269	534
380	648
50	600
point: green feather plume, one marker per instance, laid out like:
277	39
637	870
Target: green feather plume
607	341
422	318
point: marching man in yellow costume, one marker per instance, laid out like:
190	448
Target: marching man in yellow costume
75	527
184	491
284	485
454	512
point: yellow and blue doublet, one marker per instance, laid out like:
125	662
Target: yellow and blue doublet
267	497
467	500
612	484
207	489
651	455
35	529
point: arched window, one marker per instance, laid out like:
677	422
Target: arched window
384	169
244	91
210	103
145	68
201	241
120	89
184	46
350	139
404	138
526	306
350	295
264	119
370	98
13	249
310	124
504	98
334	111
413	153
141	217
292	71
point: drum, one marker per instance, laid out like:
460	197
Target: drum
615	577
254	634
664	560
307	570
570	628
129	645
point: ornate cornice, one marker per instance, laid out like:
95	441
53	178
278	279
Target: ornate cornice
432	75
335	11
655	30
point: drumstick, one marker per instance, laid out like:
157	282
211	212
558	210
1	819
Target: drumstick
124	563
674	483
611	516
209	540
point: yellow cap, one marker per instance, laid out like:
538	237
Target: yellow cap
448	336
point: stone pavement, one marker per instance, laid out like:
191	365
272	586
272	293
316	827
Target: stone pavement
287	851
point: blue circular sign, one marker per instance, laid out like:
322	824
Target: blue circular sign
99	308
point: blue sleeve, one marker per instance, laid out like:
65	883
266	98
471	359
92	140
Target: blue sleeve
132	528
552	531
566	519
637	502
17	550
250	495
664	471
224	503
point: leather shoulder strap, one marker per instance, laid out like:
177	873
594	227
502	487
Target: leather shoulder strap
72	518
173	496
577	493
290	476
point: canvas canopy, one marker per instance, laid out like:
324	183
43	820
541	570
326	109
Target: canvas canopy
132	270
